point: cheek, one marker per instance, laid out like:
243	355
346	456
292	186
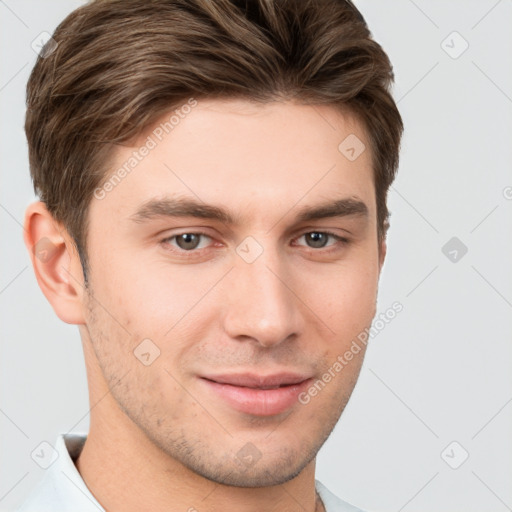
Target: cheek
348	298
137	297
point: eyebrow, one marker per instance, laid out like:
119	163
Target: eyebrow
187	207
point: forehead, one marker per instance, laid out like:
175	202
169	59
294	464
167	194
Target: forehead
254	158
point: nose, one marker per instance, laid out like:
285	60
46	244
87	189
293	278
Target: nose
261	304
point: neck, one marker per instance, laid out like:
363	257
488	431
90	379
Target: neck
125	471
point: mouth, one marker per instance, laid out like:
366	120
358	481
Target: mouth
257	394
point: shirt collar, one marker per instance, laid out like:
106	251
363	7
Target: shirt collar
62	487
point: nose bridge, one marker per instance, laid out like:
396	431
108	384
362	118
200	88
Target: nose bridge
261	305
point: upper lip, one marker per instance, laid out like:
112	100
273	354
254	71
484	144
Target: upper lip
252	380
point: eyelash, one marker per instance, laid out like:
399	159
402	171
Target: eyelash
194	252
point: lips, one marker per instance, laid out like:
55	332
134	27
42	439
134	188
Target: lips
261	395
249	380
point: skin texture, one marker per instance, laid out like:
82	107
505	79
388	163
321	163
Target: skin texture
159	438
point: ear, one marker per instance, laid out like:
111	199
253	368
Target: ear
382	252
56	263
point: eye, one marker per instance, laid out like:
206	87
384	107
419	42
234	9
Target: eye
318	239
193	242
186	241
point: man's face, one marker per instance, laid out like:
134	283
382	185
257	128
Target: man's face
263	299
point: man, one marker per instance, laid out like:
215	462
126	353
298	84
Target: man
213	178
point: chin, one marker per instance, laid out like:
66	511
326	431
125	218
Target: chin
264	472
264	477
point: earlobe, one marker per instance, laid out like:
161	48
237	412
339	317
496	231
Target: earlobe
56	263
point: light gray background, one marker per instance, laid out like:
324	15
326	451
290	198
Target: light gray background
438	373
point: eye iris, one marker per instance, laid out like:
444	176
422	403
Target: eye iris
187	241
318	239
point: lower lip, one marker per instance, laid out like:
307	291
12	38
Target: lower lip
260	402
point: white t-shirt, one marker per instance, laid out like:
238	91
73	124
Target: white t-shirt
62	488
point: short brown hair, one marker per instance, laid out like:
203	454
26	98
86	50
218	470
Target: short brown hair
119	65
